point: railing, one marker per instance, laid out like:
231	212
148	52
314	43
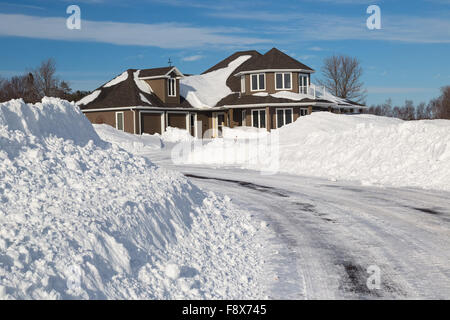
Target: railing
311	90
316	92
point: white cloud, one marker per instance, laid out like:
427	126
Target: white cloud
325	27
306	57
163	35
316	49
192	58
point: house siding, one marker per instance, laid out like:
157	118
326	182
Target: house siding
270	83
109	117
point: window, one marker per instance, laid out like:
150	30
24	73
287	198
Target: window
303	82
284	116
119	121
172	87
258	82
259	118
244	116
283	81
242	84
303	111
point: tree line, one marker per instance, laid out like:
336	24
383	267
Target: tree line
39	82
437	108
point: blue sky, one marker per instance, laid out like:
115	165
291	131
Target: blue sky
407	59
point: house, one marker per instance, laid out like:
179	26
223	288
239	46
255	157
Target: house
245	89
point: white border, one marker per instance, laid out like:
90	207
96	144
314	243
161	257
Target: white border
275	80
163	129
251	82
216	123
284	116
243	84
259	122
180	75
123	121
174	87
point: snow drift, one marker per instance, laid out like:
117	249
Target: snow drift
81	218
136	144
370	149
205	90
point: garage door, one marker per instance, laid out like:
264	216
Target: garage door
177	120
151	123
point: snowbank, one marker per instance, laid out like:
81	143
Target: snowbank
243	133
370	149
175	135
205	90
133	143
81	218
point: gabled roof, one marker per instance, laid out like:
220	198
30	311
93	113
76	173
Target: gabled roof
273	60
159	72
126	90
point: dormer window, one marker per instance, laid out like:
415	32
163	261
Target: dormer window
172	87
258	82
283	81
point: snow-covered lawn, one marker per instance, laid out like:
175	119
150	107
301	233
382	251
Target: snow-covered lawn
370	149
83	218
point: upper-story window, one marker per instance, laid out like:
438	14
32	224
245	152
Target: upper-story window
242	84
258	82
172	87
303	82
283	81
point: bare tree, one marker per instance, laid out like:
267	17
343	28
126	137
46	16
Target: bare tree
441	105
421	111
342	77
38	83
46	83
409	111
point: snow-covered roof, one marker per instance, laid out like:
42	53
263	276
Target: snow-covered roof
128	90
206	90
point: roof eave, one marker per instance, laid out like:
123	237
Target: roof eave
273	70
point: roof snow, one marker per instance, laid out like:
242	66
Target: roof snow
144	99
119	79
141	84
89	98
205	90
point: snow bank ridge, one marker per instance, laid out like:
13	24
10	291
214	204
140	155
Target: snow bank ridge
51	117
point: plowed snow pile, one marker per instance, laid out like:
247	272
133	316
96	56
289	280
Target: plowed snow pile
370	149
81	218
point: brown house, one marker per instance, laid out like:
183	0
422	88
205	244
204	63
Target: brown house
245	89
